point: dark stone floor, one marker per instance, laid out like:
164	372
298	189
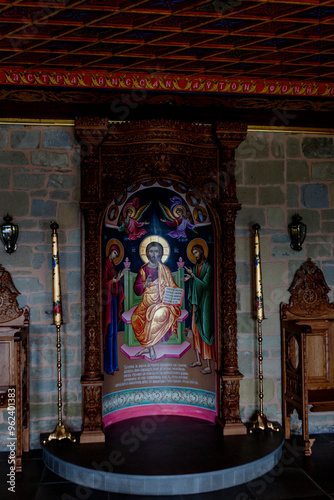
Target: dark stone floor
295	477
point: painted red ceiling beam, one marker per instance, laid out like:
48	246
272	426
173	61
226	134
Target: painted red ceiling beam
161	82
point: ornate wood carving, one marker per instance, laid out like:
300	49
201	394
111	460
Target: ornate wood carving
228	292
92	348
14	323
212	102
9	308
309	293
307	317
92	402
18	395
156	148
230	135
119	155
92	132
231	398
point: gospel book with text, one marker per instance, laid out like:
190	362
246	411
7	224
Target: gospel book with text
173	296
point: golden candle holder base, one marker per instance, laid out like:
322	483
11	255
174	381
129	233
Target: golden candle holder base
59	433
263	424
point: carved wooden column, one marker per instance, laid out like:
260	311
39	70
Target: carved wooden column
230	135
91	132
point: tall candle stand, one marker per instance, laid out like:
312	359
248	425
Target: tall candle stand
60	431
261	422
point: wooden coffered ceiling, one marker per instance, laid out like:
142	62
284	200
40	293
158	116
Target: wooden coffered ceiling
216	56
281	39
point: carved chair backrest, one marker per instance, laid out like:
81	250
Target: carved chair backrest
309	295
10	313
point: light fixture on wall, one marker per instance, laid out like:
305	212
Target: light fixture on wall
9	234
297	232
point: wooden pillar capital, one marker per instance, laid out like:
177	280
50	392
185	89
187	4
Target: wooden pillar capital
91	130
230	134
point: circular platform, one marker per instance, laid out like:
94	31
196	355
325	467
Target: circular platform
165	455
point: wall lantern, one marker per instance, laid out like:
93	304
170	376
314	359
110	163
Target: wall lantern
9	234
297	232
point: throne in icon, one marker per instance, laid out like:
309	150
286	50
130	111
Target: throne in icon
176	345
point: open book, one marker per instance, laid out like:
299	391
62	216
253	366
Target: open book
173	296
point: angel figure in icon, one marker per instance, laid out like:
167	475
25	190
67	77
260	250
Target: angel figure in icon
176	217
130	219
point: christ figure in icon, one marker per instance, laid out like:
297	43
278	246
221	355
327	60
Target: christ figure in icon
154	320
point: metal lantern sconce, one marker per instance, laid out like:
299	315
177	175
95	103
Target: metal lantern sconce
9	234
297	232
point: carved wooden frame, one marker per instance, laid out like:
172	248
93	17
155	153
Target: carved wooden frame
14	330
309	309
113	157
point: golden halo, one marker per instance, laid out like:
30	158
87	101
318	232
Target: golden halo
176	208
121	250
157	239
197	241
125	209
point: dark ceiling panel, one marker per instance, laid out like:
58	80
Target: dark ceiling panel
220	38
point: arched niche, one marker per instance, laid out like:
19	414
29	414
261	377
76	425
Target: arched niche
116	156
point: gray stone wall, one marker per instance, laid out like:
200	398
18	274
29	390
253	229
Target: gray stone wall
279	175
40	182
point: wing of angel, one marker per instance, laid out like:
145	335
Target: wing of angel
122	226
141	211
6	280
189	217
120	220
167	213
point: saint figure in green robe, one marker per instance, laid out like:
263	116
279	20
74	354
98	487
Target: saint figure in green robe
201	299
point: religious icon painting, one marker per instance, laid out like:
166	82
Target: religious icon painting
200	214
159	314
112	300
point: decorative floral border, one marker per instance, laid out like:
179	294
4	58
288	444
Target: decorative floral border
159	395
177	83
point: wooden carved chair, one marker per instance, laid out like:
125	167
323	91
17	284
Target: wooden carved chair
14	389
307	349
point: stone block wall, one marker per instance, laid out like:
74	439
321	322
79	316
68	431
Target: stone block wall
39	183
279	175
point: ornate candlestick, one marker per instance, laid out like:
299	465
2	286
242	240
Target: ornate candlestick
59	432
261	421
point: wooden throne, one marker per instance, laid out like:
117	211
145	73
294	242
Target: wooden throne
14	390
115	155
307	349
